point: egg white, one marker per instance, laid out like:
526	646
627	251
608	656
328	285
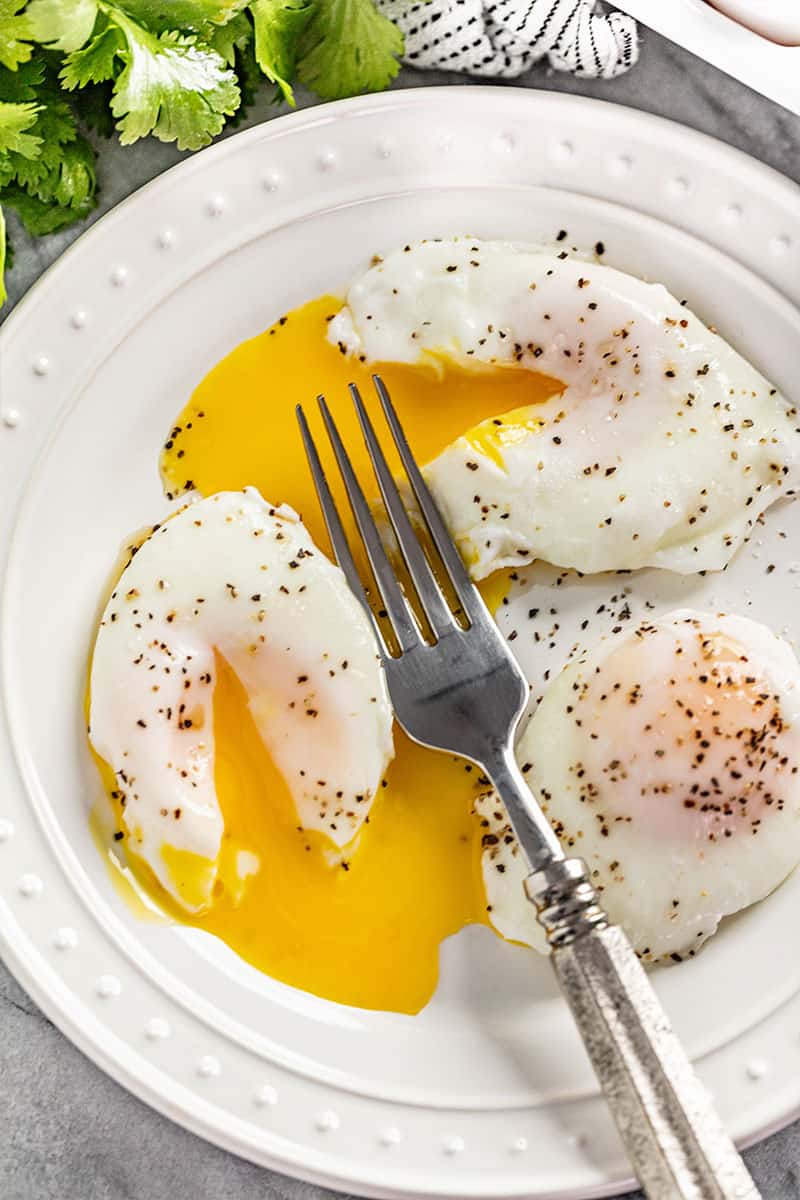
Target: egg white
675	776
662	450
231	573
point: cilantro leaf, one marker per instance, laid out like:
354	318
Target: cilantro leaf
72	184
21	85
62	175
40	217
94	63
232	36
278	26
183	14
14	120
172	86
3	292
62	24
167	83
55	125
348	47
250	79
54	184
15	33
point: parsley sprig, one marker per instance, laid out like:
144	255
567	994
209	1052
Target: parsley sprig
174	69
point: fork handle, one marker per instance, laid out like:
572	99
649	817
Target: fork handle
673	1136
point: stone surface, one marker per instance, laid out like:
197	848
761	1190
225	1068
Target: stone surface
67	1132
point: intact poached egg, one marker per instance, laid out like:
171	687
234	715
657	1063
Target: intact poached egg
668	758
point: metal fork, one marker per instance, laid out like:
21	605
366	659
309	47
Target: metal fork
465	694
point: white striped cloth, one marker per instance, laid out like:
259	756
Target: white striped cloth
501	38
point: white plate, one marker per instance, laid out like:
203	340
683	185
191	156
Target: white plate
486	1093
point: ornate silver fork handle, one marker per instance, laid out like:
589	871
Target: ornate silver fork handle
675	1140
460	690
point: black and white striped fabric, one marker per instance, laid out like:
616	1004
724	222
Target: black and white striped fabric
501	38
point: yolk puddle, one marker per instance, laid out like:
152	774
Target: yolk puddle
240	429
361	927
364	927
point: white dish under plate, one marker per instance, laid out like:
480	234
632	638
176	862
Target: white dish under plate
487	1092
755	41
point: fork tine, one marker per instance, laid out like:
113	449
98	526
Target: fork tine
465	589
436	610
397	607
336	533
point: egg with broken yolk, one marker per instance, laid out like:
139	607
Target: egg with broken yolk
364	926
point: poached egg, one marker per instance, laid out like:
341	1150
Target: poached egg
668	758
235	577
659	445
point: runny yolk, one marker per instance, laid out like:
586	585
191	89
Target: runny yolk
363	927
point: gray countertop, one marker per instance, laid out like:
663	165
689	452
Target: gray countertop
67	1132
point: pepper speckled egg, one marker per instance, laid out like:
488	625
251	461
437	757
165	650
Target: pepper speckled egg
667	757
662	447
232	576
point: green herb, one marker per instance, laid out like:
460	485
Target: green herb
178	70
46	165
349	47
14	120
14	34
2	257
248	74
170	84
232	36
278	26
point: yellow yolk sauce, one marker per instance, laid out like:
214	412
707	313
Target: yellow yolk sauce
363	926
